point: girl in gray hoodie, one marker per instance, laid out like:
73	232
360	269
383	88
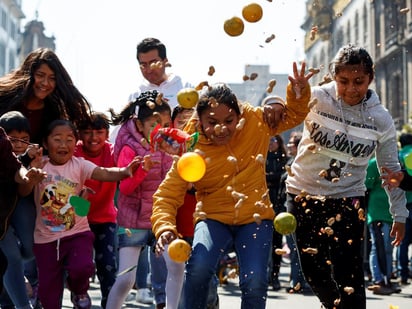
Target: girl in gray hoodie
346	125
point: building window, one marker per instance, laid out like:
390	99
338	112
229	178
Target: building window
3	19
348	33
365	24
12	62
356	28
2	59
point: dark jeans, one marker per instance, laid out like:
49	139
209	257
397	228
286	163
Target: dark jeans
105	248
338	263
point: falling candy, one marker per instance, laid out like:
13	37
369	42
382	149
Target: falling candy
211	70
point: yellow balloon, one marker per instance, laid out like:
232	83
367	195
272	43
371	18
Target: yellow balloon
191	166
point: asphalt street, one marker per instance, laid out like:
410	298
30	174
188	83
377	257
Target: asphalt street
229	296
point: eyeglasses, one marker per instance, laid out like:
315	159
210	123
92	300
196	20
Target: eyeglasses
273	140
15	140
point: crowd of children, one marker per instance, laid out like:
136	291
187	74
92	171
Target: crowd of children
61	177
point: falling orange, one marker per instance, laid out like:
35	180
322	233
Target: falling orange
234	26
252	12
179	250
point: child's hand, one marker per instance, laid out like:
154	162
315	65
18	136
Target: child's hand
273	114
33	150
299	80
164	239
148	163
391	179
34	176
132	167
398	232
37	157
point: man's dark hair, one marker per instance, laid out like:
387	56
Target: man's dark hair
149	44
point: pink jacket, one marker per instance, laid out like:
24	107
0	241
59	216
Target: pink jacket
135	207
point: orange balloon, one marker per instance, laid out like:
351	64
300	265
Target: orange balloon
191	166
179	250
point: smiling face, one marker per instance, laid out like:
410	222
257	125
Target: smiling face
145	127
60	144
93	140
219	123
44	82
352	84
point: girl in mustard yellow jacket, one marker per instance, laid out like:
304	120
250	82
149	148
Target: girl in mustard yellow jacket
233	209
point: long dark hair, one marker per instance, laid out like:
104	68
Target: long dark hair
66	101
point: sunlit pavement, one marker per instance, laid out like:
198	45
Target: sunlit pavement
229	296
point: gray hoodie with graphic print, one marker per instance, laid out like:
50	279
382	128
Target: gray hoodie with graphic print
338	141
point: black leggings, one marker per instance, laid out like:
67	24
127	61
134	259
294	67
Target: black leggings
334	227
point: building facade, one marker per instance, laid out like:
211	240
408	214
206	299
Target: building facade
15	45
10	16
383	27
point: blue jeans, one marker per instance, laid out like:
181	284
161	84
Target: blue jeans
143	268
296	275
212	239
105	247
403	249
17	246
380	257
158	276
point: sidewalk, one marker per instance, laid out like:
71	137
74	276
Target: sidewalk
229	296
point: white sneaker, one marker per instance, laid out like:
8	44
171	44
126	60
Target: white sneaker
143	296
130	297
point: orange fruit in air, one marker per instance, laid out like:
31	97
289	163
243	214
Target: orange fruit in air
191	166
234	26
252	12
179	250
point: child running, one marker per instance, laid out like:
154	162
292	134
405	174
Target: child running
63	242
135	199
233	209
346	125
93	145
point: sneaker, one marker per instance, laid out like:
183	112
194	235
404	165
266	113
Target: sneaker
143	296
81	301
34	300
130	297
382	290
276	284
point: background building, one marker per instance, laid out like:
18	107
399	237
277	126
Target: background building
14	44
10	16
383	27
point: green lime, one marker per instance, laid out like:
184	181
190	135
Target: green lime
285	223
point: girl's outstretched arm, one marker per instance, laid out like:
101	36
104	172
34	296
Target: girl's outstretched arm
116	173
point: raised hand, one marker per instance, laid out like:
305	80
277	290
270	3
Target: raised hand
299	80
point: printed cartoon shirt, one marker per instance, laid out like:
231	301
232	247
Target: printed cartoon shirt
56	208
